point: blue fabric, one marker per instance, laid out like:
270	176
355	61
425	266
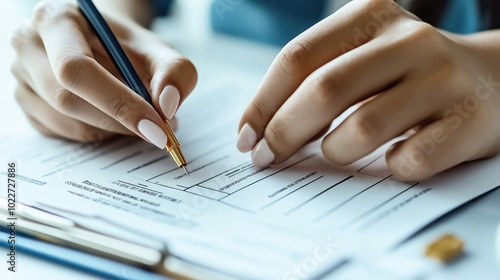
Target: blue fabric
271	21
160	7
279	21
462	16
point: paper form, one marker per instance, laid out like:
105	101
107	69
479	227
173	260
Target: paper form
228	214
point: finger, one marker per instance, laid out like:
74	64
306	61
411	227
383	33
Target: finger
23	91
334	36
50	122
320	134
26	98
389	115
40	127
436	148
174	78
64	33
23	37
36	66
170	76
19	72
328	92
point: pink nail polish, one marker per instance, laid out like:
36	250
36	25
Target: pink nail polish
169	101
246	139
262	156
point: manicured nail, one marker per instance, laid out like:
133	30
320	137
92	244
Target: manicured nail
246	139
153	133
262	155
169	101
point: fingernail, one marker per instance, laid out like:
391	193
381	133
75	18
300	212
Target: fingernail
169	101
246	139
262	155
153	133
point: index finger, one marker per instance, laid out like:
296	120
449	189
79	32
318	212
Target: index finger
350	27
66	35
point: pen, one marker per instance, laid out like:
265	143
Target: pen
65	232
124	66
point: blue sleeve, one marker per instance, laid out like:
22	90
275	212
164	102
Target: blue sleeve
279	21
160	7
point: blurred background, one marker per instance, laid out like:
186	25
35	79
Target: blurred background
11	14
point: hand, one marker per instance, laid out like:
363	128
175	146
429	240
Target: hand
408	76
68	86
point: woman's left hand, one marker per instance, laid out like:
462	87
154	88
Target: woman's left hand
407	75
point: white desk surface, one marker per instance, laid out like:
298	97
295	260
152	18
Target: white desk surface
476	222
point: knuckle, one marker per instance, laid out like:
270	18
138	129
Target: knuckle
17	38
371	5
423	29
43	11
422	34
188	69
375	6
14	69
260	110
166	64
323	89
275	133
21	35
47	10
191	69
19	95
409	162
87	133
64	100
364	129
186	63
294	57
120	110
70	68
177	70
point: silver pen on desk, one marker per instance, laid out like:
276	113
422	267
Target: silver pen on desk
59	230
63	231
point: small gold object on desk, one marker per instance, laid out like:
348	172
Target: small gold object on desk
445	248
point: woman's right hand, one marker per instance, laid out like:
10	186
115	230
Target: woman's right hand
68	86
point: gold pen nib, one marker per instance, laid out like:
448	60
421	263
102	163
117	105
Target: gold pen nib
186	170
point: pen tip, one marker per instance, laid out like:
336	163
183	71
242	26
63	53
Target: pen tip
186	170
